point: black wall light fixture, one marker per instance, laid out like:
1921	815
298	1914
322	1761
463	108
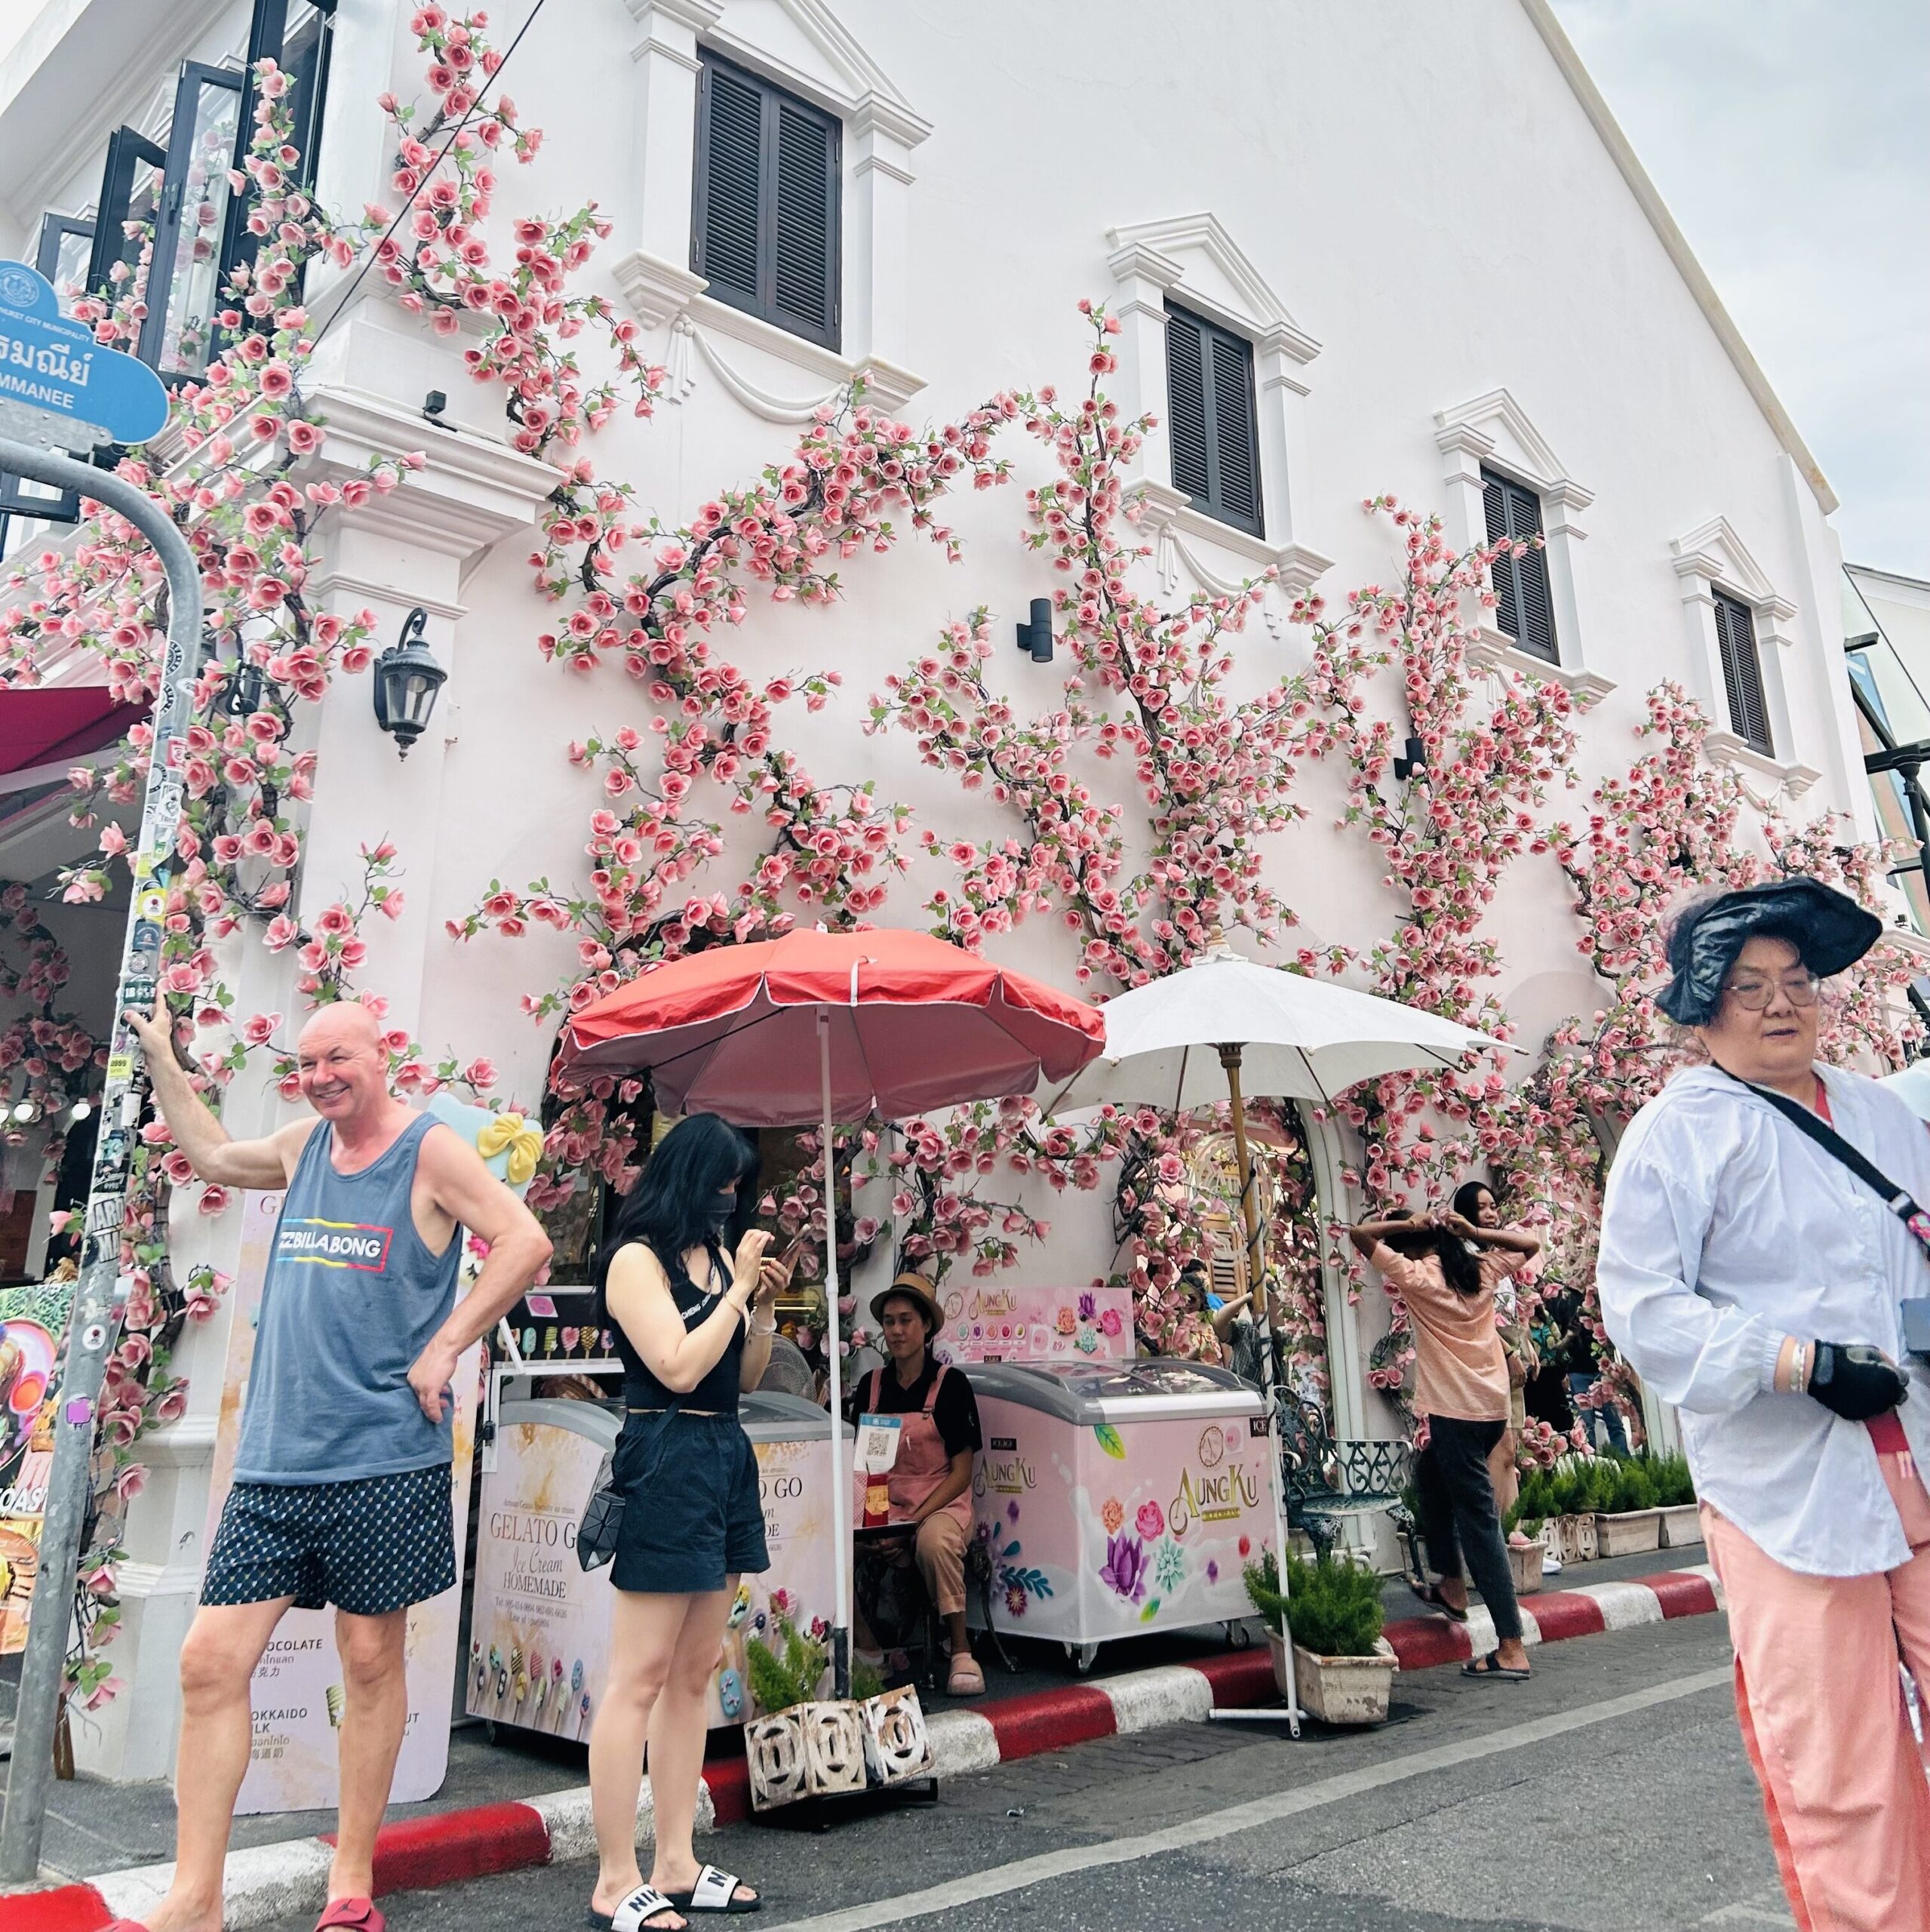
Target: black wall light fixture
1413	765
406	680
241	692
1035	635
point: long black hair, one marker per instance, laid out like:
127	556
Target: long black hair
1459	1268
1467	1200
668	1209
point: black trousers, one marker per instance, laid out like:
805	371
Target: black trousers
1457	1513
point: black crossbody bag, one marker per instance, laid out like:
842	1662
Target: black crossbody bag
1899	1200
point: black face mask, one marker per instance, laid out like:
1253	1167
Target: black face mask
719	1218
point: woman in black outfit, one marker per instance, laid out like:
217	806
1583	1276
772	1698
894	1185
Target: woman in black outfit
692	1329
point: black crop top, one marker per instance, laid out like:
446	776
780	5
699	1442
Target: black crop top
717	1393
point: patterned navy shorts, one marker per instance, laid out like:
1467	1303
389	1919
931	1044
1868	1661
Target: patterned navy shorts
369	1546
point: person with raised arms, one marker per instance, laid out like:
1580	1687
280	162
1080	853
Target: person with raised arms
342	1477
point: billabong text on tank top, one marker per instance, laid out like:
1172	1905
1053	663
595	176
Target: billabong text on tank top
358	1244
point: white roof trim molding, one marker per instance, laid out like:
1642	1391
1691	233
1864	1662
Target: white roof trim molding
846	79
1676	246
1713	551
1237	293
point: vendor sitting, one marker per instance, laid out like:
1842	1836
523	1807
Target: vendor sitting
930	1483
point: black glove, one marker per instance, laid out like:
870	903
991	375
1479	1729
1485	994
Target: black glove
1855	1380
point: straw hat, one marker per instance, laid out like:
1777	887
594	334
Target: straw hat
910	1287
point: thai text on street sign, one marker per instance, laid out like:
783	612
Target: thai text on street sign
58	385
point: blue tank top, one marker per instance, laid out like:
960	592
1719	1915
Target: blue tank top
353	1295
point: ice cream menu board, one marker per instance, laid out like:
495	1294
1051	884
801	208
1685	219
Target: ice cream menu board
33	1327
984	1323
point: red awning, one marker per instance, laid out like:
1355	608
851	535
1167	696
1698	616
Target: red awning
44	726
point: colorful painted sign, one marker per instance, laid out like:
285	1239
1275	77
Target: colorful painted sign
1109	1531
539	1624
60	385
33	1327
297	1688
983	1323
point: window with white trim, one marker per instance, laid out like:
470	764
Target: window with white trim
1524	604
1742	674
765	228
1211	420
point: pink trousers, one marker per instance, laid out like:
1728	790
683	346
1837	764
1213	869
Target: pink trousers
1823	1720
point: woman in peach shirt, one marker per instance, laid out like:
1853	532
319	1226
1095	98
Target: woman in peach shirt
1461	1378
1476	1208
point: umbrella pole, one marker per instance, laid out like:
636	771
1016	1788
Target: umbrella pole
841	1489
1256	1281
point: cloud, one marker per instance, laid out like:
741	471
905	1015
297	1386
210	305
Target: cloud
1791	140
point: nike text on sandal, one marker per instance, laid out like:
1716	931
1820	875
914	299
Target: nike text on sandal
350	1915
1490	1666
645	1910
716	1891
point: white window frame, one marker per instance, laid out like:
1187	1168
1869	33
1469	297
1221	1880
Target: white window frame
825	66
1494	432
1711	558
1193	259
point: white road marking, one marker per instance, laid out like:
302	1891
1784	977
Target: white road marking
1000	1879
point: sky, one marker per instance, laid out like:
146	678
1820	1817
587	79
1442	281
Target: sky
1791	140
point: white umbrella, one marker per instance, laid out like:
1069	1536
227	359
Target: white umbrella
1185	1041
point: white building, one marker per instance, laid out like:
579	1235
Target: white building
1414	244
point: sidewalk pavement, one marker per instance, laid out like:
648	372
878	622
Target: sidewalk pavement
521	1801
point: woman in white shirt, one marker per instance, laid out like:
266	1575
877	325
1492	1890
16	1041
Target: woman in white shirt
1752	1280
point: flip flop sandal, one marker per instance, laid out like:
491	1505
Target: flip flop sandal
715	1892
1490	1666
354	1915
1431	1593
965	1679
637	1912
127	1925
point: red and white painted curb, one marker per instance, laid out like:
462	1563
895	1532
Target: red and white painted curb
268	1882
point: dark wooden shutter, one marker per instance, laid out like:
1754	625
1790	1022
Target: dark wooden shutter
1524	608
1212	419
1742	674
766	231
1186	397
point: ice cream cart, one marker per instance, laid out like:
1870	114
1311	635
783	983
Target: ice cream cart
1117	1498
539	1625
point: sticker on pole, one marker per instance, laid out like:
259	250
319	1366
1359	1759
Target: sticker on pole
57	385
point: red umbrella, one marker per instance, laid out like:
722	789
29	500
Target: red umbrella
818	1027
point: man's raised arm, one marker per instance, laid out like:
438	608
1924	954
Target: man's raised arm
212	1152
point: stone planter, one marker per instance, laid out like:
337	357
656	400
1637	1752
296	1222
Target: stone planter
1573	1538
815	1750
774	1750
1628	1532
897	1746
1525	1560
1340	1690
1681	1525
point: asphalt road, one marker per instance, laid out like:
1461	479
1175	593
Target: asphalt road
1610	1792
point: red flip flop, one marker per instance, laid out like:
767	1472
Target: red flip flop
354	1915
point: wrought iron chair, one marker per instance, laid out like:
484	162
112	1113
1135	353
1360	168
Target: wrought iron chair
1327	1481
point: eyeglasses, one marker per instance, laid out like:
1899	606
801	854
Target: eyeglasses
1754	995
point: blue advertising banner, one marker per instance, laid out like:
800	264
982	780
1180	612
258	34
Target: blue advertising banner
57	385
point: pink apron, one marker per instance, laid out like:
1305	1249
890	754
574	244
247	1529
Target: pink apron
924	1461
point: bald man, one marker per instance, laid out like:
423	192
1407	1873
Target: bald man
342	1492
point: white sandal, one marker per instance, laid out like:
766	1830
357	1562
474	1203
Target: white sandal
638	1913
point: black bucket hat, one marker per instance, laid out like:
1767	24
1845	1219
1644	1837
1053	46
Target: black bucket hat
1829	930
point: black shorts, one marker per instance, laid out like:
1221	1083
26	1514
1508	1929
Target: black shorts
370	1545
692	1514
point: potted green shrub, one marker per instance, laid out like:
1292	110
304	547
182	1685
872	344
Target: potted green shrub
1675	1493
1627	1519
1574	1484
1528	1514
1345	1667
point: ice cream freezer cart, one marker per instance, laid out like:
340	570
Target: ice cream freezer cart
1118	1499
539	1624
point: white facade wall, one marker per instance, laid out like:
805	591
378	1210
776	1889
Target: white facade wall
1414	209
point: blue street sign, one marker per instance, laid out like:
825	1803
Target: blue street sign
58	385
